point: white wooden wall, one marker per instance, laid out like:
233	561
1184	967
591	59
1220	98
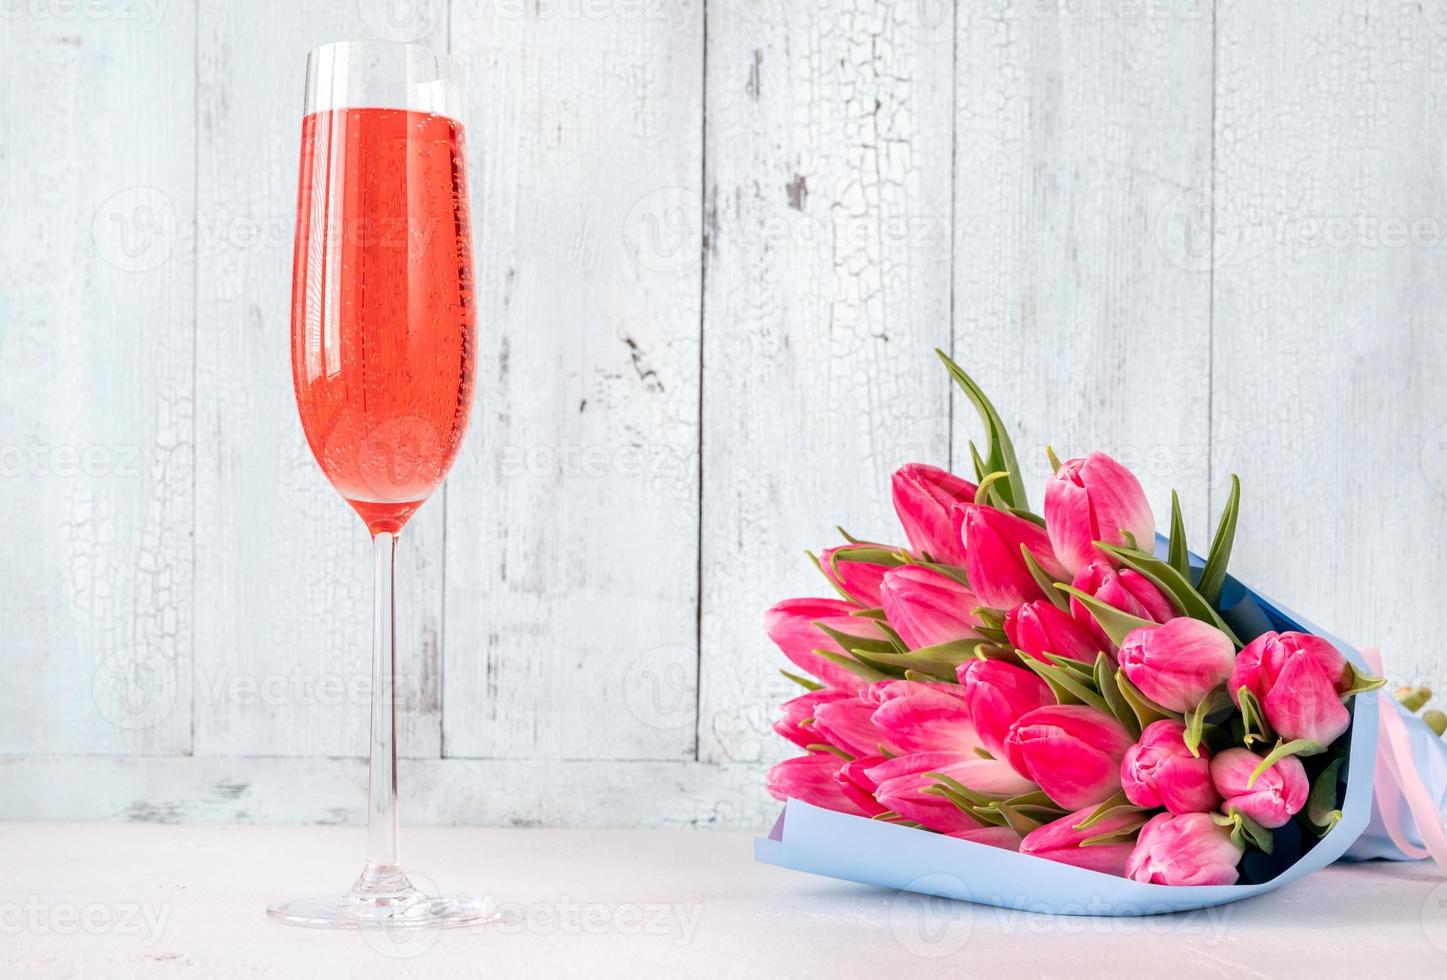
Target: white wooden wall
715	247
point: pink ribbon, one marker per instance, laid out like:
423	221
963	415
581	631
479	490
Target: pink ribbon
1399	780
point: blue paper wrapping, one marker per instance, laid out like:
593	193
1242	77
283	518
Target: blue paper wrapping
853	848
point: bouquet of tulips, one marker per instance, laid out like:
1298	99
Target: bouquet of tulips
1062	685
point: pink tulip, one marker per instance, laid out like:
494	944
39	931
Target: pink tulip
1184	849
1095	499
1124	589
902	786
881	692
1042	627
1178	663
993	563
997	693
797	722
810	778
1278	794
1001	837
923	498
845	724
1299	680
859	580
926	608
1071	750
857	786
1160	771
1059	841
931	721
790	624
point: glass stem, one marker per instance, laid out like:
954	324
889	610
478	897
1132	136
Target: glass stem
382	873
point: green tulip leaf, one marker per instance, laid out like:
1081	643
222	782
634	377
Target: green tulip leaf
1055	463
1146	710
975	797
1297	746
831	749
1321	806
939	661
832	584
1179	556
1213	576
1362	682
1176	586
1043	579
853	666
1122	835
1000	454
1116	624
803	682
1253	718
1196	718
1018	820
848	641
1067	687
1109	690
1116	802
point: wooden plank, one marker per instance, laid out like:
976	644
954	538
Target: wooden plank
572	516
283	648
1331	279
1082	133
220	789
96	456
827	285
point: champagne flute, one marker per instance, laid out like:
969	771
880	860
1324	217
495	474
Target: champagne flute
383	341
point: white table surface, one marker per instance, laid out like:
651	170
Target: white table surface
97	900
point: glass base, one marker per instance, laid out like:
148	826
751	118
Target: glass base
384	899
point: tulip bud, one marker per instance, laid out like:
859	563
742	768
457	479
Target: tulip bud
1095	499
1124	589
904	787
857	786
923	498
993	562
1184	849
791	625
1071	750
1276	796
1041	627
1002	837
931	721
797	723
1299	680
845	723
1060	841
996	694
857	579
1178	663
1160	771
810	778
926	608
